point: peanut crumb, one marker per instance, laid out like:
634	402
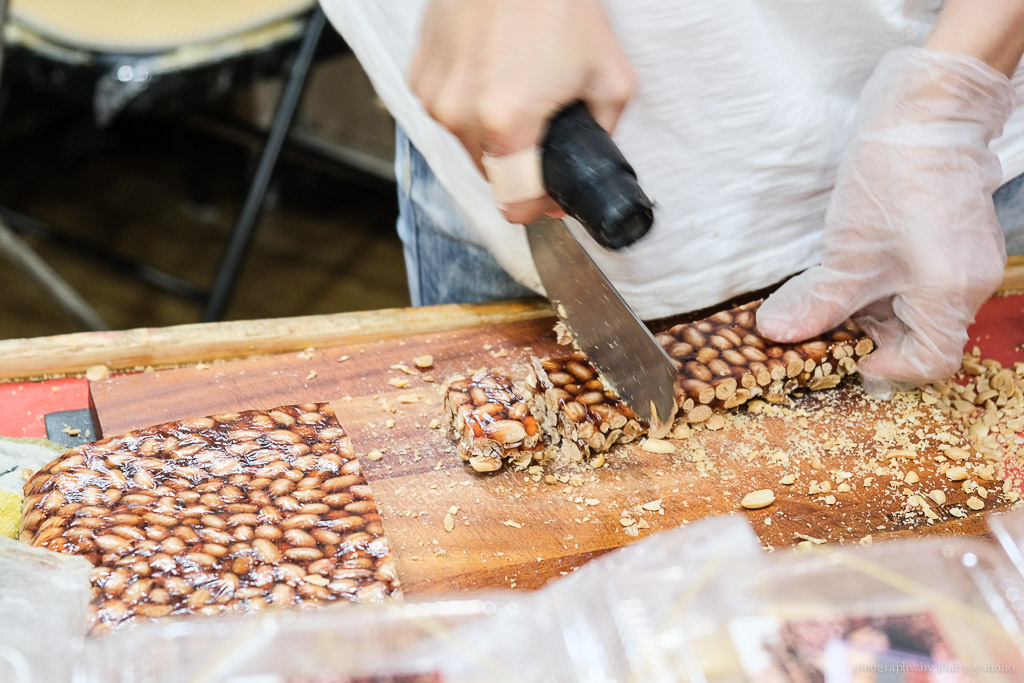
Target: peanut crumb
956	474
657	446
758	499
96	373
810	539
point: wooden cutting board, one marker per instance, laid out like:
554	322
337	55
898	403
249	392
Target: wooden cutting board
513	529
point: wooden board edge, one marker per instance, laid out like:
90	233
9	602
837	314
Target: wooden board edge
201	342
185	344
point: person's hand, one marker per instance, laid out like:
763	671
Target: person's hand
912	247
494	72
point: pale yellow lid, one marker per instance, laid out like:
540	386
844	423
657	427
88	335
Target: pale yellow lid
148	25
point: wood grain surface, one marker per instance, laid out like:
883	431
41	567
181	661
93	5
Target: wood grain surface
201	342
513	529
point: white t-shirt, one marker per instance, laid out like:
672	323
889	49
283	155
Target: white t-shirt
741	114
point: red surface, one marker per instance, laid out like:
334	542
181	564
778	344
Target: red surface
999	329
998	332
23	404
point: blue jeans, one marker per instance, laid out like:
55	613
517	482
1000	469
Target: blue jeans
445	267
442	264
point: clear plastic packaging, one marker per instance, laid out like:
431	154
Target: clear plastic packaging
44	599
492	638
700	603
548	635
684	559
1008	529
923	610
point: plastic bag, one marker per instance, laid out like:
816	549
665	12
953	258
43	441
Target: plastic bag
548	635
482	638
44	599
937	605
603	635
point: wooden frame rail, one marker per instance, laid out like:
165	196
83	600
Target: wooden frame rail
202	342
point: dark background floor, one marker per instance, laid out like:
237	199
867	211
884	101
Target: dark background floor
325	244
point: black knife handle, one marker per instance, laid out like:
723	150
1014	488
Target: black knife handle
587	175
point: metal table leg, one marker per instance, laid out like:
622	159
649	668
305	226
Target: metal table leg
47	277
241	237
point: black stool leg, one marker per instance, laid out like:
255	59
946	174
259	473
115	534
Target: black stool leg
227	272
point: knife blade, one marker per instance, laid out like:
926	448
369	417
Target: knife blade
602	325
589	178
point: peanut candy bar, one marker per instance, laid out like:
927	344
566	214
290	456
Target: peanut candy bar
577	411
723	362
234	512
490	421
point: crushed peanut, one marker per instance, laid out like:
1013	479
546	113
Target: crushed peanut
956	474
652	445
96	373
758	499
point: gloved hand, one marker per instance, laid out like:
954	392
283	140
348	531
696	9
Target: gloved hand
494	73
912	247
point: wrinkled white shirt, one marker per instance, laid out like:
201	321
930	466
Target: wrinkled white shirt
740	117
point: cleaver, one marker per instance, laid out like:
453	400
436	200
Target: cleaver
587	175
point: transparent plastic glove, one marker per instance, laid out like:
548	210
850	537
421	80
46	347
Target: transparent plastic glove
912	247
494	72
